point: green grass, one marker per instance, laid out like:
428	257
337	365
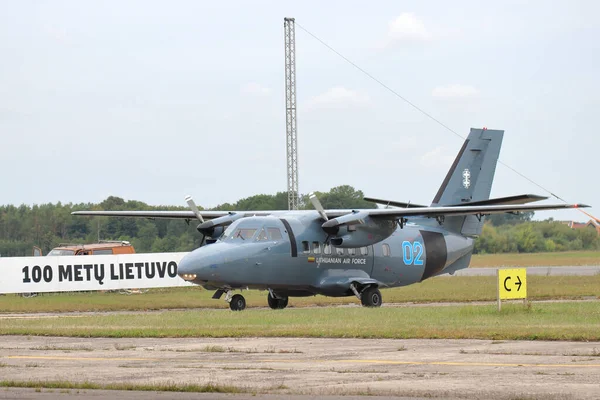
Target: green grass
547	321
455	289
536	259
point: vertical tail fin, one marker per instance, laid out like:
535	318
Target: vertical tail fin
470	178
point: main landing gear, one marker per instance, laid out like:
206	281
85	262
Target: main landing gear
369	296
276	302
237	302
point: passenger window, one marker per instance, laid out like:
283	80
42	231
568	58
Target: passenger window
262	236
305	248
316	247
386	249
275	233
352	252
364	251
339	251
327	249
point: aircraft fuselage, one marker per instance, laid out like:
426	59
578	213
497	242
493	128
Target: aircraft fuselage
298	261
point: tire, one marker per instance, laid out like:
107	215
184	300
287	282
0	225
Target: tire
371	297
238	303
277	304
283	303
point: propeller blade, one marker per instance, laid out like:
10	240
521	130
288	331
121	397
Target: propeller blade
318	206
192	205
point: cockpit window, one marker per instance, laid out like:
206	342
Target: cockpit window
275	233
239	234
262	236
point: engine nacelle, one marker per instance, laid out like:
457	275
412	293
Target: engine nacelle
359	235
215	227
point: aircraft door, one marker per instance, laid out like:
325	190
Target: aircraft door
272	253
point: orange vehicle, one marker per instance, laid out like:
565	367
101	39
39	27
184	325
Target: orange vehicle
103	247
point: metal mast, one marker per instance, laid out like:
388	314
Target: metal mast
289	28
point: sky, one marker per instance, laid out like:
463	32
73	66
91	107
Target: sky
154	100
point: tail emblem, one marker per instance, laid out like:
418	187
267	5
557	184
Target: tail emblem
466	178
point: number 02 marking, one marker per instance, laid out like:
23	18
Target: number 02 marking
412	253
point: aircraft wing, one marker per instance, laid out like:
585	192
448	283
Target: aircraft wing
166	214
393	203
348	217
353	217
520	199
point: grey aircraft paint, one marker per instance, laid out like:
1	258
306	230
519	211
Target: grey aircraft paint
349	252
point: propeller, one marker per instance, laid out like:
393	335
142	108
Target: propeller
192	205
318	206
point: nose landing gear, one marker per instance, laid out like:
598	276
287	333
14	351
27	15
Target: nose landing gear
237	302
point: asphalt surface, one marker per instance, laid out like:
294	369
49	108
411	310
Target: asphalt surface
309	367
13	393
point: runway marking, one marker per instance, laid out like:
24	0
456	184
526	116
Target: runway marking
82	358
447	363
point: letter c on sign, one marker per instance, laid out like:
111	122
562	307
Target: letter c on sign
505	287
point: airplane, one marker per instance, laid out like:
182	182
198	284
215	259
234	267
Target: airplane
348	252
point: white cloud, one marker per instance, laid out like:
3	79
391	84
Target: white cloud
339	98
255	89
407	27
455	91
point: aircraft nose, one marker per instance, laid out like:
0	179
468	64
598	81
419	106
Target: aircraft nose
187	267
200	264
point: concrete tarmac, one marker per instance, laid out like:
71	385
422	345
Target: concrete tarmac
286	367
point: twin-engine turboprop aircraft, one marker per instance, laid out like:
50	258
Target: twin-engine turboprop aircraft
348	252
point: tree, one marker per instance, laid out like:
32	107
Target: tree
340	197
510	218
47	225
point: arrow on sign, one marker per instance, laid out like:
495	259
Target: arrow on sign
518	282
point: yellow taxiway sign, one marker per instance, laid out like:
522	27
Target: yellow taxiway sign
512	284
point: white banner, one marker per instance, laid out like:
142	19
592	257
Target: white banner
101	272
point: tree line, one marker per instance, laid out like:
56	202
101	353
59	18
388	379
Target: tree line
535	236
48	225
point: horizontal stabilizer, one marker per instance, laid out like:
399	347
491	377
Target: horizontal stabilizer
467	210
520	199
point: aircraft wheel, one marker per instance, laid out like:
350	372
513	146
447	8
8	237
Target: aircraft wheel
283	303
277	304
238	303
371	297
